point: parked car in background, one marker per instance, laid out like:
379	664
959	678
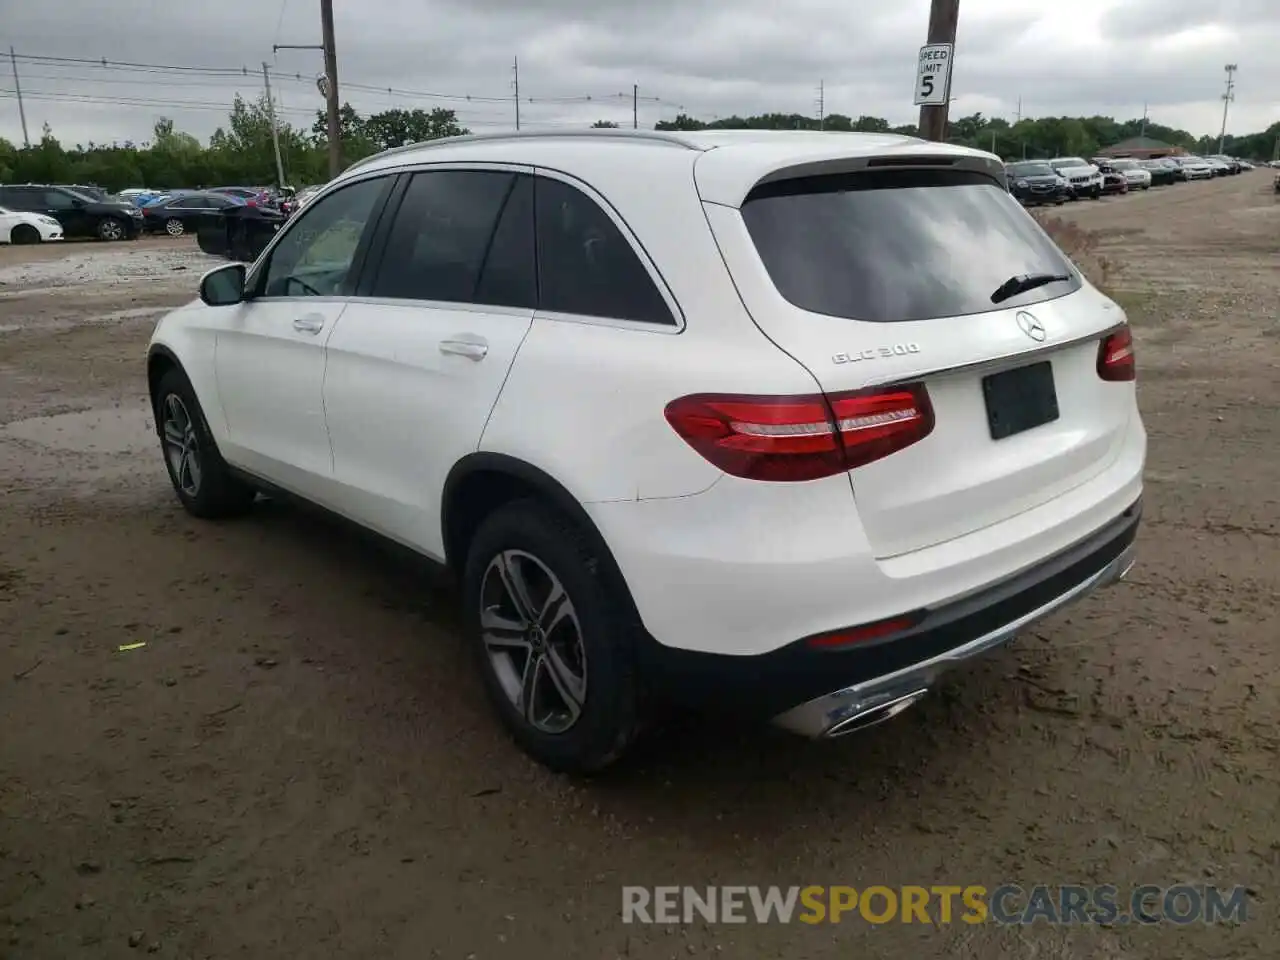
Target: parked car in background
1034	181
1113	181
139	196
1231	164
304	196
80	215
1136	176
250	196
1195	168
1163	171
1246	165
182	212
1085	179
18	226
677	414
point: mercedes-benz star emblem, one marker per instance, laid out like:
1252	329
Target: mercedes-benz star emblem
1029	325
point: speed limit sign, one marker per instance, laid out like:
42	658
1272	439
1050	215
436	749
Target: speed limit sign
933	74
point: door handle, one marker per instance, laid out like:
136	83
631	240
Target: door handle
471	349
309	324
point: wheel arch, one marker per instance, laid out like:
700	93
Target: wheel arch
482	482
160	360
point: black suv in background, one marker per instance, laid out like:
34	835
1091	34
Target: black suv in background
79	214
1034	181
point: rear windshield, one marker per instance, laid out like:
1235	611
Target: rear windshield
900	245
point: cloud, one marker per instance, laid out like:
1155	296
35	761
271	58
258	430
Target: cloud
579	60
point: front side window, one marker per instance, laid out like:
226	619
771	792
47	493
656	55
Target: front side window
900	245
585	265
442	236
58	200
315	257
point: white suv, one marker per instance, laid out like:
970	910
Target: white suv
778	423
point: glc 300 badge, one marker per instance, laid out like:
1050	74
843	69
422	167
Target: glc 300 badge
877	353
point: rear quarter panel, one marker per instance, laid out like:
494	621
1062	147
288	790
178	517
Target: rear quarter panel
585	399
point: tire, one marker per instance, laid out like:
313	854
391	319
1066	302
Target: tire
174	227
200	477
589	705
24	233
112	229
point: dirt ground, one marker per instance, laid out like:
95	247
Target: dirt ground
299	762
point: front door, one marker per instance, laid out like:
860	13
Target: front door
68	210
270	355
418	361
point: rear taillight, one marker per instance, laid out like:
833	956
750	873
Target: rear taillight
1116	361
794	438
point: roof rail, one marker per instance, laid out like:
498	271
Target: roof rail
652	136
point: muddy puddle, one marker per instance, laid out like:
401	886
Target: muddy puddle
82	451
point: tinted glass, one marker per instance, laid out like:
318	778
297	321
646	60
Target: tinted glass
509	277
438	243
1030	170
900	245
585	265
59	200
314	258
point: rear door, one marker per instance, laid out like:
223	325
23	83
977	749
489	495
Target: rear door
882	277
416	363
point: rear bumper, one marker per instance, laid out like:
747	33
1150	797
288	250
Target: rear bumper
819	692
1063	581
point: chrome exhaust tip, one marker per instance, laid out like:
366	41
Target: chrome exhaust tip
876	715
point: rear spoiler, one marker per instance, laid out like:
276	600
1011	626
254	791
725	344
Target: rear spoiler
729	184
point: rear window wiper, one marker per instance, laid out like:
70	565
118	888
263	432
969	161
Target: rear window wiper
1024	282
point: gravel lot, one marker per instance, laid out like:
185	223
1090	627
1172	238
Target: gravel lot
299	762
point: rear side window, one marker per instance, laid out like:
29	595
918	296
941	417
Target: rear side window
438	243
509	276
899	245
585	265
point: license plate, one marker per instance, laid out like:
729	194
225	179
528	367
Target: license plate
1020	399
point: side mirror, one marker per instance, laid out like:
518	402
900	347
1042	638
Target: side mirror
223	286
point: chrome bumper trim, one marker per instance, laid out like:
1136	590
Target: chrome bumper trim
835	713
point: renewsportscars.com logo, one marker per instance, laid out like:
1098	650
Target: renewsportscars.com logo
1008	904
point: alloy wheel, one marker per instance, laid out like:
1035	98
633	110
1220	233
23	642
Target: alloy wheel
174	227
533	639
111	230
181	445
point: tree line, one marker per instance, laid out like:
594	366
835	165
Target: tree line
241	151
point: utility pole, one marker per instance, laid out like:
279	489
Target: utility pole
822	107
1226	101
635	106
328	84
1017	117
515	70
17	88
275	130
331	88
943	17
1144	121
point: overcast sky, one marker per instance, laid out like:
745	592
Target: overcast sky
702	57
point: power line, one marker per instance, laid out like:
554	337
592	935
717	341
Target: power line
227	74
